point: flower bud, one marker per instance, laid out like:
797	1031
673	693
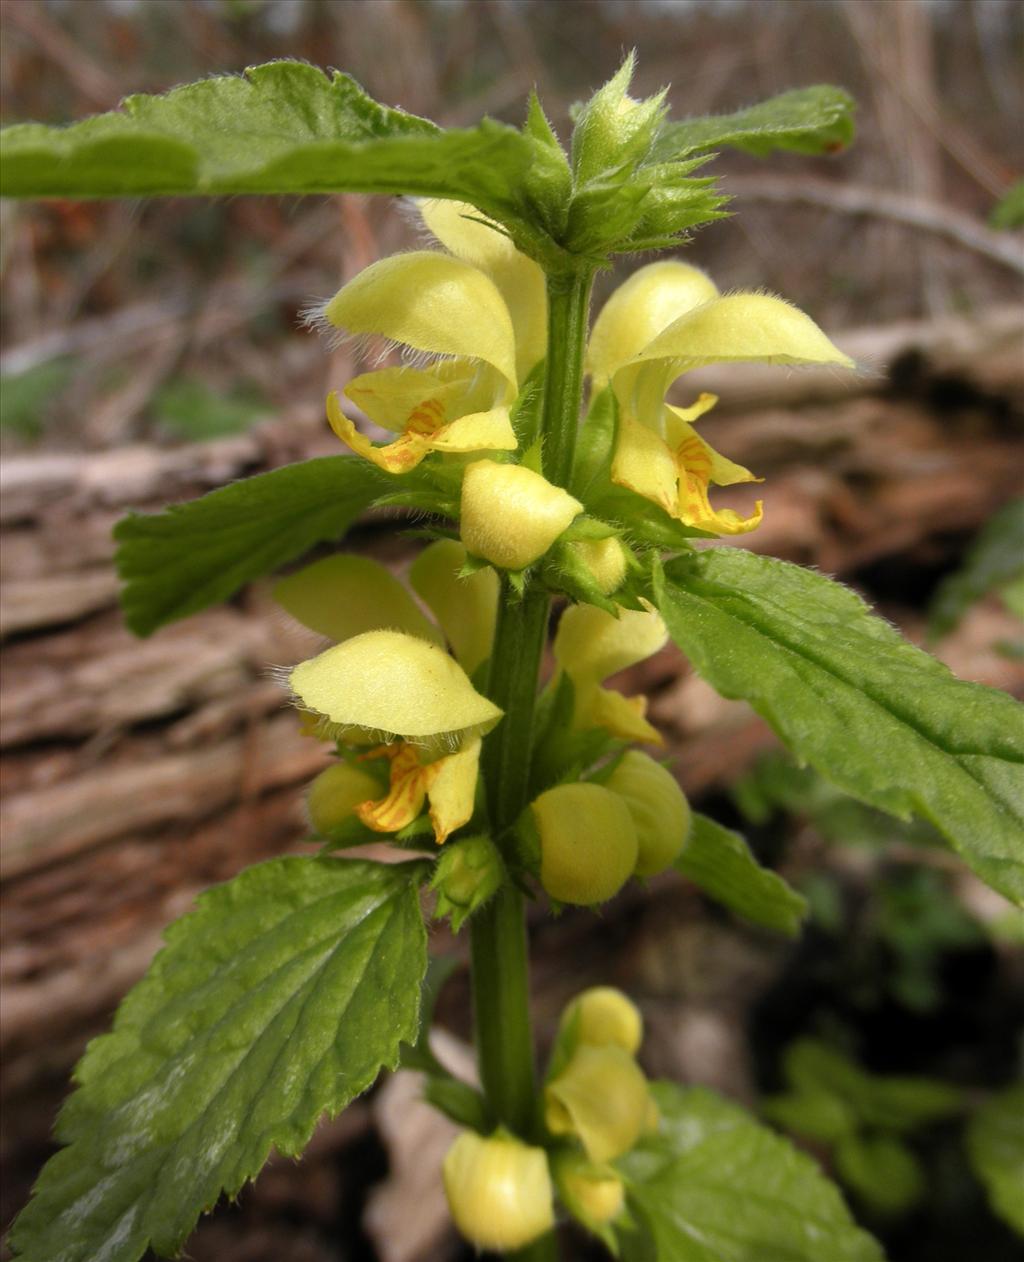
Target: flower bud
511	515
593	1194
613	129
333	796
467	874
600	1097
658	806
499	1191
604	1017
603	560
588	844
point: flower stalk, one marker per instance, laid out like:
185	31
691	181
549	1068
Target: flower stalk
498	943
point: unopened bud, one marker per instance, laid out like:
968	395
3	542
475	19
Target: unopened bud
601	1097
499	1191
588	844
613	128
467	874
604	1017
593	1194
510	515
659	809
603	560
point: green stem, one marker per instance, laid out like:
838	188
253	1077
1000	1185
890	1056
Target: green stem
498	943
568	315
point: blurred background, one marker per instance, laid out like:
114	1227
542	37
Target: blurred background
152	351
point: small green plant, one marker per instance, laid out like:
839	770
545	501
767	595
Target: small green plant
286	991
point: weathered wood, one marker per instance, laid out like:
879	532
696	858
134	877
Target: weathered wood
136	773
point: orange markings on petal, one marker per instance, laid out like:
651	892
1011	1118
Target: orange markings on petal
406	795
426	418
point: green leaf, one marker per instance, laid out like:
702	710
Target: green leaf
1008	212
806	120
882	1171
995	1146
714	1186
720	862
277	1000
193	555
26	398
877	716
283	127
995	558
189	409
813	1114
881	1102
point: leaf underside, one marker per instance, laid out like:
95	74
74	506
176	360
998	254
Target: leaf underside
806	120
720	862
880	718
277	1000
193	555
715	1186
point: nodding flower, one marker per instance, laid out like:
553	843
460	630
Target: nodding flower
590	645
474	321
393	688
667	319
499	1190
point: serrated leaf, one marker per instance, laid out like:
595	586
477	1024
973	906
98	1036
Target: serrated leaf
278	999
806	120
195	554
884	721
714	1186
720	862
995	558
283	127
995	1146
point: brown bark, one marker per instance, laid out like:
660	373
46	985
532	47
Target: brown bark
136	773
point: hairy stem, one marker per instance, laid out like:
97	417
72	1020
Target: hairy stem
568	314
500	963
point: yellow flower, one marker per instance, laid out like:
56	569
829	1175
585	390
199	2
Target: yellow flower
396	686
601	1097
448	784
666	319
590	645
603	1016
511	515
659	809
593	1194
588	845
499	1191
344	595
478	319
465	606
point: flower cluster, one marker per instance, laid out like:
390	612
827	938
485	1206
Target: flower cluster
597	1106
403	709
388	694
400	690
477	324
